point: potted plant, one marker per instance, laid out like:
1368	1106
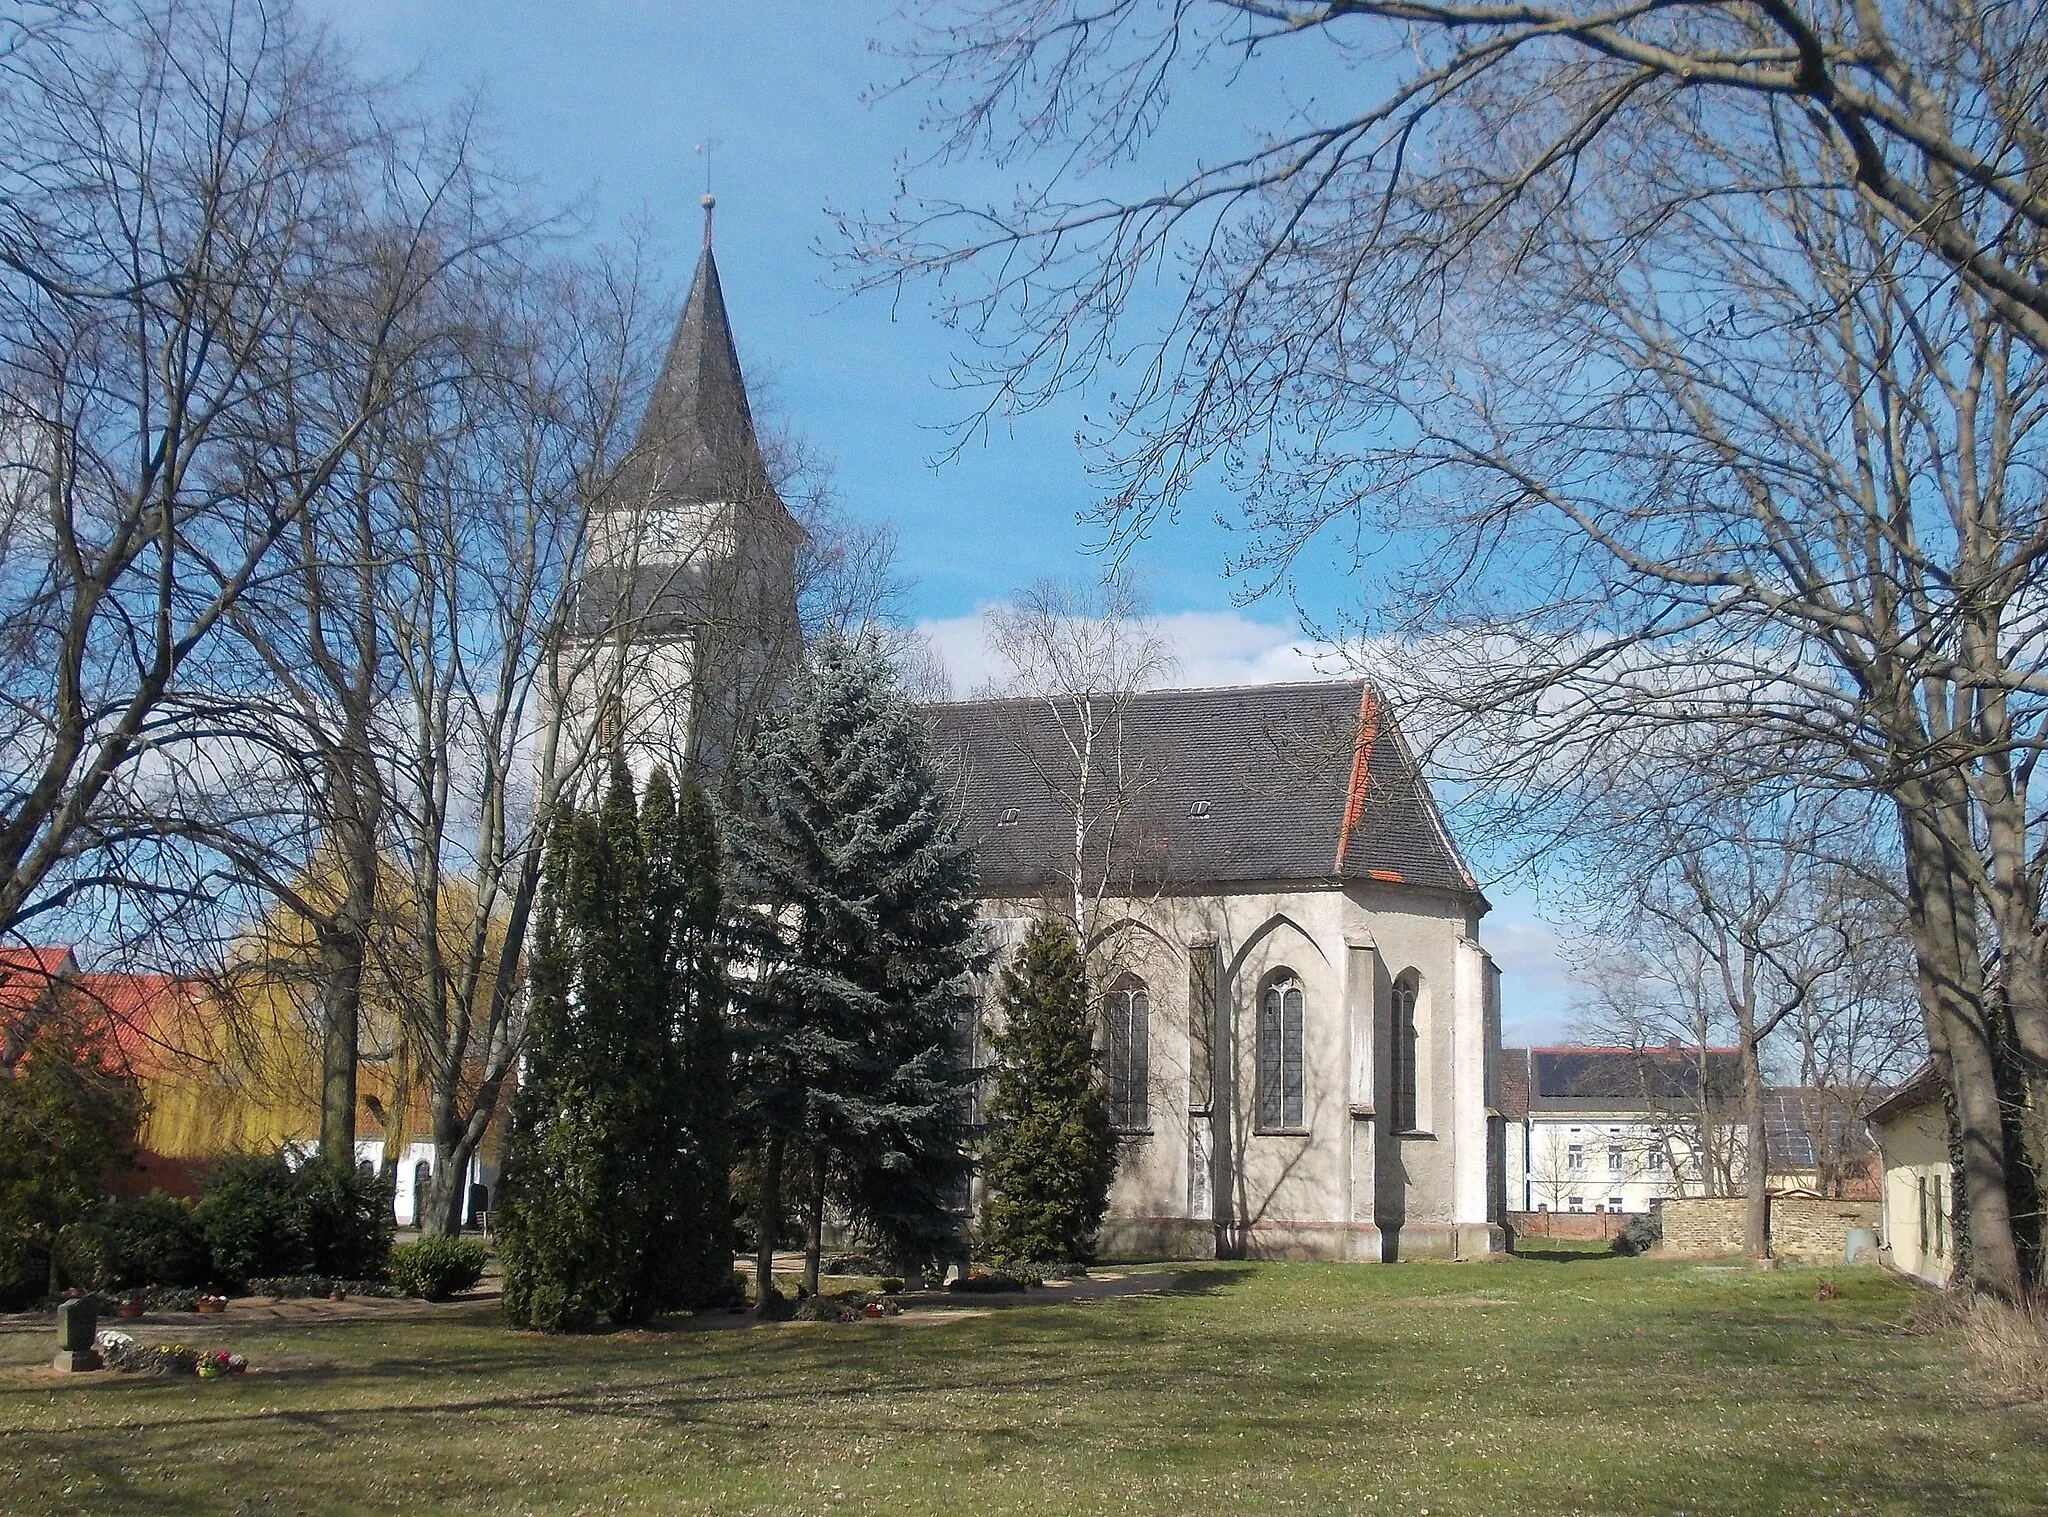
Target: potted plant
128	1306
212	1306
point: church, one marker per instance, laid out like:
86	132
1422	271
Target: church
1300	1029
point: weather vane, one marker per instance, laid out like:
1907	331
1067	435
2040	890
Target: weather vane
708	200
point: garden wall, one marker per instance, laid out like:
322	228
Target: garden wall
1586	1226
1702	1226
1813	1230
1803	1229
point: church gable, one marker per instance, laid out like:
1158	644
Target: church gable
1303	782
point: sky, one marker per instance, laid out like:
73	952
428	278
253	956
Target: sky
604	103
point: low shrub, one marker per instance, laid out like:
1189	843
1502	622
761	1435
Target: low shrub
2010	1341
153	1240
989	1284
317	1287
436	1268
261	1218
892	1285
349	1222
1638	1236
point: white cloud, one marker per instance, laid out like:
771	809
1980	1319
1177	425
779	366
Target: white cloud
1209	648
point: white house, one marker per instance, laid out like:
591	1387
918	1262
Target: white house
1911	1127
1619	1129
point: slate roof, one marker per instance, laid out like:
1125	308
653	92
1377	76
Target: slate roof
1514	1083
1294	783
696	442
1573	1079
1920	1088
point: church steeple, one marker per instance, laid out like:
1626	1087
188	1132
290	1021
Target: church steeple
696	444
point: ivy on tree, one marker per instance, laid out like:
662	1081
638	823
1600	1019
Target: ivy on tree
613	1202
1049	1153
863	917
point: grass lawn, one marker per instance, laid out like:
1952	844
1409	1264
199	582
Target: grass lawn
1569	1384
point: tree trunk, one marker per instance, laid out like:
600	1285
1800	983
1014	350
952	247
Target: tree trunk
341	996
1943	914
768	1222
814	1231
1756	1153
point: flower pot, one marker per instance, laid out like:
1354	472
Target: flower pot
128	1309
212	1308
337	1295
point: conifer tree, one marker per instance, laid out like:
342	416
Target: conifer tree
1049	1153
864	924
613	1200
692	1262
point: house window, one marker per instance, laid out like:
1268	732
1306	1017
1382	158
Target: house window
1574	1157
1126	1015
1577	1203
1940	1221
1614	1203
1406	990
1614	1161
1920	1182
1280	1055
1656	1161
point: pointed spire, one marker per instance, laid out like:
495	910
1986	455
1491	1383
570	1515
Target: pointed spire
697	442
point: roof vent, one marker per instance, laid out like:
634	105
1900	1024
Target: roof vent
1008	818
1198	809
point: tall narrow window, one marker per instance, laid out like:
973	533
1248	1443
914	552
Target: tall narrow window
1280	1054
1404	1053
1127	1013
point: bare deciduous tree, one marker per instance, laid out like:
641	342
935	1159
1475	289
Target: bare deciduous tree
183	187
1632	344
1082	652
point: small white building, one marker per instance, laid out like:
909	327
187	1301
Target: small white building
1911	1127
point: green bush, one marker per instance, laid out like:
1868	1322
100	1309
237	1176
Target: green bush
348	1220
253	1221
1641	1234
262	1217
436	1268
153	1240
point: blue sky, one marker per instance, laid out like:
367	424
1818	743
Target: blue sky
603	103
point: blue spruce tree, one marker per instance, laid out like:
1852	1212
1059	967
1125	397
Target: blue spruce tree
862	897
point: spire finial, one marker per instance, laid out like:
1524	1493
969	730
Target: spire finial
707	199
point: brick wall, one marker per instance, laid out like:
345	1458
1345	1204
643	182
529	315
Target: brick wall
1703	1226
1588	1225
1803	1229
1809	1230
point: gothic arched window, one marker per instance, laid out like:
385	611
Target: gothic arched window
1406	990
1126	1016
1280	1054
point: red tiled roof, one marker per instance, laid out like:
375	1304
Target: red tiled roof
26	975
137	1008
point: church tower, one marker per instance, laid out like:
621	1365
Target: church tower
689	601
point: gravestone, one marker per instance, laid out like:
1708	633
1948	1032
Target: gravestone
77	1321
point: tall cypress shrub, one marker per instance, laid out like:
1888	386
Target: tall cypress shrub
1049	1153
608	1208
691	1264
862	910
